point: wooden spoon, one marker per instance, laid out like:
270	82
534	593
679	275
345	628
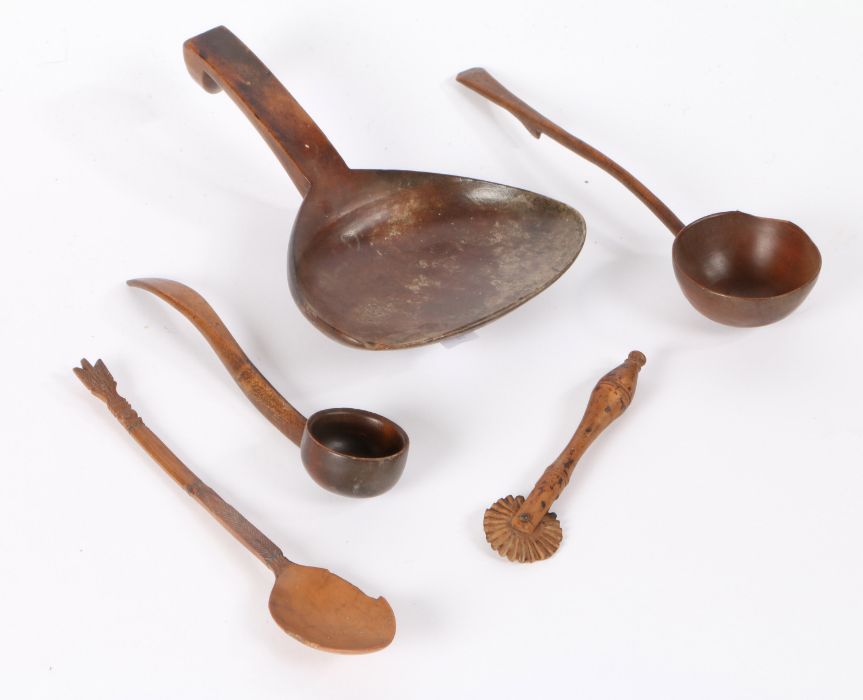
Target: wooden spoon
311	604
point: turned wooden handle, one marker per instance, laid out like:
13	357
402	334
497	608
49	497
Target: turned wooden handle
217	59
609	399
101	384
263	395
482	82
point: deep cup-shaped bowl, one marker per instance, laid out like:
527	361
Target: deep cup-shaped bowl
744	270
353	452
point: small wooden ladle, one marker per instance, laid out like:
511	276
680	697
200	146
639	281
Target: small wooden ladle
346	450
311	604
521	529
735	268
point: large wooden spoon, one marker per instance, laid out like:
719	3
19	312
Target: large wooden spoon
385	259
311	604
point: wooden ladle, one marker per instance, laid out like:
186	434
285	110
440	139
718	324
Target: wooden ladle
385	259
346	450
735	268
311	604
522	529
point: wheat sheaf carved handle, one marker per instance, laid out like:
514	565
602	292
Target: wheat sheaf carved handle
99	381
522	529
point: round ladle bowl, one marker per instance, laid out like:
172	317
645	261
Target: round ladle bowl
744	270
348	451
353	452
735	268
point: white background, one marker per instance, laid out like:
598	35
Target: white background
712	544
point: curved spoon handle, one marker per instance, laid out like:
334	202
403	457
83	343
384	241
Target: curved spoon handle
218	60
480	80
610	398
99	381
259	391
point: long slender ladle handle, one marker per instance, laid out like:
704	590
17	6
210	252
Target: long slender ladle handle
609	399
217	59
99	381
259	391
480	80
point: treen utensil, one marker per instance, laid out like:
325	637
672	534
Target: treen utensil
311	604
735	268
385	259
346	450
522	529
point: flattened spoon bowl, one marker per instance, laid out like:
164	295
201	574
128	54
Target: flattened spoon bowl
311	604
348	451
384	259
735	268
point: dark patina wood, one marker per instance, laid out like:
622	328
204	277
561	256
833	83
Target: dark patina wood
311	604
385	259
735	268
346	450
522	529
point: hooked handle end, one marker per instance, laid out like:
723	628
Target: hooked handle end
218	60
194	56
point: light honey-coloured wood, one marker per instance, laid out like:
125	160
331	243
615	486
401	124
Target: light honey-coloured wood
520	545
311	604
522	529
